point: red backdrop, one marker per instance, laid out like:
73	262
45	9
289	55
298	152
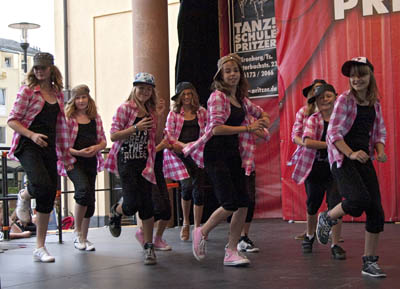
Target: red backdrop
311	44
309	27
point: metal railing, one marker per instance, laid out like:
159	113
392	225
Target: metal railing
6	197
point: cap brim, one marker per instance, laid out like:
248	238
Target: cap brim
141	82
347	66
311	100
307	89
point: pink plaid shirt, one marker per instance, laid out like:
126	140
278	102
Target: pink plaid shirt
297	130
218	111
173	166
124	118
27	106
73	127
342	119
314	129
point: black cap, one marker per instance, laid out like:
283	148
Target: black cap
307	89
319	90
181	86
361	60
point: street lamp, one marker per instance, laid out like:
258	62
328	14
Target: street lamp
24	26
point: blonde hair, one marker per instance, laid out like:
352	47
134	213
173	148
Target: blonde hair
150	104
70	109
243	86
372	89
55	79
176	107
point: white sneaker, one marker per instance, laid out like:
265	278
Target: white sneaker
89	246
23	208
42	255
77	243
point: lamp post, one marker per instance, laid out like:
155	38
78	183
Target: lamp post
24	26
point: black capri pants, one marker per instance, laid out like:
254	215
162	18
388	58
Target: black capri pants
40	165
358	184
319	181
228	179
251	190
192	188
84	179
161	203
136	190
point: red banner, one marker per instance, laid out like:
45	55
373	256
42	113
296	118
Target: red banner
314	39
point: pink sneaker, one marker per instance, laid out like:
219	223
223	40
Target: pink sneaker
140	237
160	244
233	258
198	244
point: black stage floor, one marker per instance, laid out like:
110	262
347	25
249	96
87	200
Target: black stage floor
118	262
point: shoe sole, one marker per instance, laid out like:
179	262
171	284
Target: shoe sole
35	259
150	262
339	257
241	264
249	250
163	249
374	276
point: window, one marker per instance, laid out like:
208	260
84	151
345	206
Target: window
7	62
2	135
2	96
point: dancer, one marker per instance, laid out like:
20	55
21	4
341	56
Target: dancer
298	128
186	123
160	195
245	243
132	156
87	139
313	169
227	154
40	139
355	132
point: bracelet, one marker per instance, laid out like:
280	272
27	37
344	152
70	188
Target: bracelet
135	127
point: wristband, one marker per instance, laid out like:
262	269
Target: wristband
135	127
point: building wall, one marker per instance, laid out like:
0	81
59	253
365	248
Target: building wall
11	78
100	55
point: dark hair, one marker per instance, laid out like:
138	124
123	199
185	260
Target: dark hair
55	78
243	86
372	89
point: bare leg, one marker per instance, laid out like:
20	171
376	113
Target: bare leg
371	244
237	222
80	212
148	226
336	212
186	211
311	224
198	214
41	228
162	224
217	216
336	232
85	228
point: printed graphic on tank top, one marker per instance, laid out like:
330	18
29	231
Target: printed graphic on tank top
135	146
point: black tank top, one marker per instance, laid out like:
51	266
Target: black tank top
222	144
359	135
